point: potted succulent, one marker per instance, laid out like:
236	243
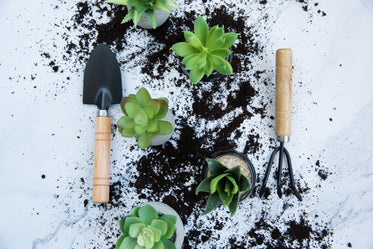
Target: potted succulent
206	50
152	226
156	11
147	119
230	177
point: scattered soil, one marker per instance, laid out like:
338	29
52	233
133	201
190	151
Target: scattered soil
170	173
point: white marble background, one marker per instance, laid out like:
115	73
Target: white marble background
39	126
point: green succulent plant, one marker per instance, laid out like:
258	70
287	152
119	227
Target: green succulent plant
144	229
224	186
205	50
139	7
142	116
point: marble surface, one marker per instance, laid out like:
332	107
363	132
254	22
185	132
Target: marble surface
46	133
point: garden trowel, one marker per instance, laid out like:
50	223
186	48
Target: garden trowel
102	87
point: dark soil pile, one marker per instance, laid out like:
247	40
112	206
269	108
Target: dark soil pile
177	169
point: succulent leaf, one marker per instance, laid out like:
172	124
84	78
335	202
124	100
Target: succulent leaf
150	14
119	241
135	229
233	183
169	217
194	61
201	29
234	204
137	15
221	52
121	225
204	186
215	181
221	65
130	15
144	140
183	49
170	3
225	197
130	132
196	75
244	183
217	44
164	99
212	203
165	127
209	67
158	245
129	221
128	243
193	40
147	213
119	2
215	167
143	96
132	109
229	39
170	228
126	122
168	244
135	211
235	172
160	6
160	225
153	126
162	111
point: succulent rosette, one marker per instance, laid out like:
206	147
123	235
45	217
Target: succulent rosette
223	185
205	50
143	116
139	7
145	229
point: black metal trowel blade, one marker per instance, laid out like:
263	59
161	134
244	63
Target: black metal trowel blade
102	79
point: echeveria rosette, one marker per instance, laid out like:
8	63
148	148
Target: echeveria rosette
142	117
139	7
144	229
224	185
205	50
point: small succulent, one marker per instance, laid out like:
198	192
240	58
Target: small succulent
205	50
224	186
139	7
142	116
144	229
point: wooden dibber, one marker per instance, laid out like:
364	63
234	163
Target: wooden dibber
101	170
284	62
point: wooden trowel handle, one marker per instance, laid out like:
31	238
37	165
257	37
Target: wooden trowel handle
101	170
284	62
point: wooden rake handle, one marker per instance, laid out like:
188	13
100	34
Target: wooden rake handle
284	63
101	170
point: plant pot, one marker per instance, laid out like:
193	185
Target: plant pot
162	208
230	159
161	139
160	18
215	75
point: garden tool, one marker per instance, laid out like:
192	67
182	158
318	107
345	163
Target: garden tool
283	119
102	87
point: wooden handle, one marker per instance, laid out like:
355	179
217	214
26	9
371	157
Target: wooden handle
101	170
284	63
